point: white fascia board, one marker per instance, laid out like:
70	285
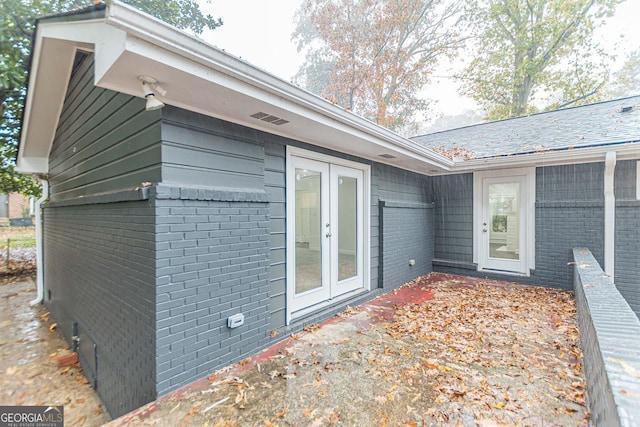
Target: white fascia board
239	75
108	42
55	46
550	158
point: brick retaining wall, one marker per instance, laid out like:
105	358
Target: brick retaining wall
609	332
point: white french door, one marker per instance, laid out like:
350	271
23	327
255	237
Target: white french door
326	226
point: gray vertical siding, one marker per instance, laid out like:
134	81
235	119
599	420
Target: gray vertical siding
627	234
100	272
452	196
105	140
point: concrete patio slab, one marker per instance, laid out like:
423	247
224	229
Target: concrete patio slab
441	350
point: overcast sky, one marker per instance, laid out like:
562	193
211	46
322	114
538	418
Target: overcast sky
259	31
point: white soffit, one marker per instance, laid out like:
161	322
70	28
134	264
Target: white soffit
197	77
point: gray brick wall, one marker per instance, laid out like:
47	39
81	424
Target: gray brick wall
609	333
100	272
625	179
627	234
212	262
559	227
570	182
407	233
627	256
569	213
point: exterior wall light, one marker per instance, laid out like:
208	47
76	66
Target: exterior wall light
148	83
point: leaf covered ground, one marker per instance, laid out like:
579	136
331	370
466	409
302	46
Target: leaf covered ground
30	344
442	350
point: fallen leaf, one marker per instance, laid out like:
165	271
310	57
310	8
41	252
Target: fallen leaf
627	368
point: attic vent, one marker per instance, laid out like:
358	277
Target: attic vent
387	156
266	117
626	109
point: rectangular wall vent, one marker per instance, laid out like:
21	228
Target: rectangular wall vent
387	156
269	118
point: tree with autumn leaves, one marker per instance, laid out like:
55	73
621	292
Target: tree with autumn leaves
541	50
17	21
375	57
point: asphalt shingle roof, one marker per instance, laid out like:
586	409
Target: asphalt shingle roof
592	125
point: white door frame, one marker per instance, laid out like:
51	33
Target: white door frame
347	287
480	199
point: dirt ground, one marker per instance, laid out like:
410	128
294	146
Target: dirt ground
29	347
442	350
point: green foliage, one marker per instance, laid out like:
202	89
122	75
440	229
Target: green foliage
374	57
535	50
17	21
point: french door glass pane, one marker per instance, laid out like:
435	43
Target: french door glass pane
504	220
347	227
308	253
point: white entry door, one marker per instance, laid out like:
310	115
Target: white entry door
325	231
504	221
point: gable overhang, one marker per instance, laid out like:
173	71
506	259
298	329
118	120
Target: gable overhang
197	77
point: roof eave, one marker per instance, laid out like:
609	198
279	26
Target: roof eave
199	78
626	150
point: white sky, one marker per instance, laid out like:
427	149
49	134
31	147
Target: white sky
259	31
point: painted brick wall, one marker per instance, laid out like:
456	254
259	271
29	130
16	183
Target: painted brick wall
212	262
569	213
570	182
609	333
100	273
627	234
453	217
559	227
627	256
407	233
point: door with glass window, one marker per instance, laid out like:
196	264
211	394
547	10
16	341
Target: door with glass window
326	231
503	228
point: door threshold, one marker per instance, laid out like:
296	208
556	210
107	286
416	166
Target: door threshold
297	315
505	272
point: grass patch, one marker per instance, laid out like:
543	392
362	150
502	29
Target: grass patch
18	237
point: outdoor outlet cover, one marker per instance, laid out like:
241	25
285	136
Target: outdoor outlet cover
235	320
412	262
